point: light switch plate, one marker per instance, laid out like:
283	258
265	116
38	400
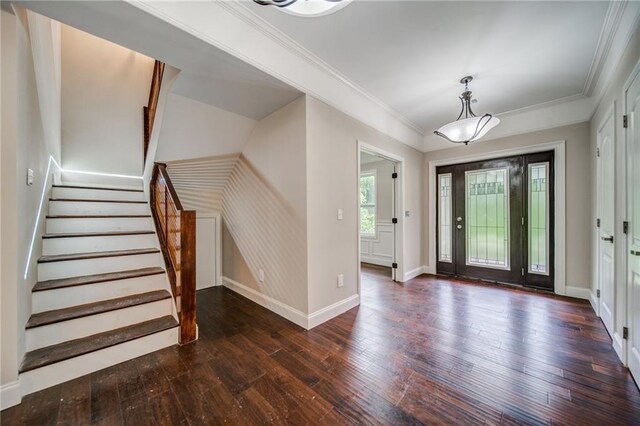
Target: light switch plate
339	214
340	280
29	177
261	275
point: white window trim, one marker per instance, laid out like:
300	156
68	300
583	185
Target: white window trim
374	235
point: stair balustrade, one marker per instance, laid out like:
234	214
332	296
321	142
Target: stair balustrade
177	234
149	111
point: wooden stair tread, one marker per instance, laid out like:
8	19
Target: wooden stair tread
58	315
88	200
73	348
95	216
97	278
98	188
95	255
95	234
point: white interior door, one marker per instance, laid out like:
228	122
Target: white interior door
606	203
633	203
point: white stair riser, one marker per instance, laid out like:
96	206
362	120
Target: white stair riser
66	297
90	207
96	194
51	375
52	334
102	181
103	265
99	224
69	245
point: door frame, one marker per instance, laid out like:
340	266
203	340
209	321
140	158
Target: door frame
398	234
558	147
625	347
610	114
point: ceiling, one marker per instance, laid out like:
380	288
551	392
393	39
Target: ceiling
412	54
208	74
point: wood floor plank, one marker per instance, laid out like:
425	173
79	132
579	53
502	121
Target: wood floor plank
429	351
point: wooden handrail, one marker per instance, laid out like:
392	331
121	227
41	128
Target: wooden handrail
149	111
177	234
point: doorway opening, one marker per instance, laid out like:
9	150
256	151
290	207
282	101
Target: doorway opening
495	220
379	207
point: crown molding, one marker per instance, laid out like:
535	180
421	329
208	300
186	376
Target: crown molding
229	26
269	30
603	49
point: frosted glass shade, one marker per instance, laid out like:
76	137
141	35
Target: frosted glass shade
468	129
314	7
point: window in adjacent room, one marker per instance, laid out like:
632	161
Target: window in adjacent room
368	204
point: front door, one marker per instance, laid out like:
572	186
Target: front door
633	203
494	220
606	223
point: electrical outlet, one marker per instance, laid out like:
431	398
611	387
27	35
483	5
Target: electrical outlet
340	280
339	214
261	275
29	177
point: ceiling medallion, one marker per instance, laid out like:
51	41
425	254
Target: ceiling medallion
307	8
468	128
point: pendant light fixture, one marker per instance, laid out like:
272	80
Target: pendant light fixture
306	8
467	127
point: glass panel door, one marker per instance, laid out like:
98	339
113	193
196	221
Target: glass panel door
487	217
495	221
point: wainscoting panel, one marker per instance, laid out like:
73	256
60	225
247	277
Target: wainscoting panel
378	250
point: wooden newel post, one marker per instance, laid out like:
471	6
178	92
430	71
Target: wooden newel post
187	276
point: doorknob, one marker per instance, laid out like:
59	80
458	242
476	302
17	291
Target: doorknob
459	219
459	226
610	239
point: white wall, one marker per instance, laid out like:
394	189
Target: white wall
104	87
332	183
23	146
578	198
192	129
264	213
614	94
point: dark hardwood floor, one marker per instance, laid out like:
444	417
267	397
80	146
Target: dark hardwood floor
432	351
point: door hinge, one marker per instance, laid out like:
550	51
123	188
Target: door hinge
394	220
597	152
625	227
598	293
625	333
394	265
625	121
523	272
394	175
523	221
598	223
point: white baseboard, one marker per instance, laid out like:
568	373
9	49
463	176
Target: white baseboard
594	302
332	311
10	395
415	273
280	308
376	260
295	316
578	292
618	346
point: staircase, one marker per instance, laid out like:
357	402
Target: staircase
102	296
